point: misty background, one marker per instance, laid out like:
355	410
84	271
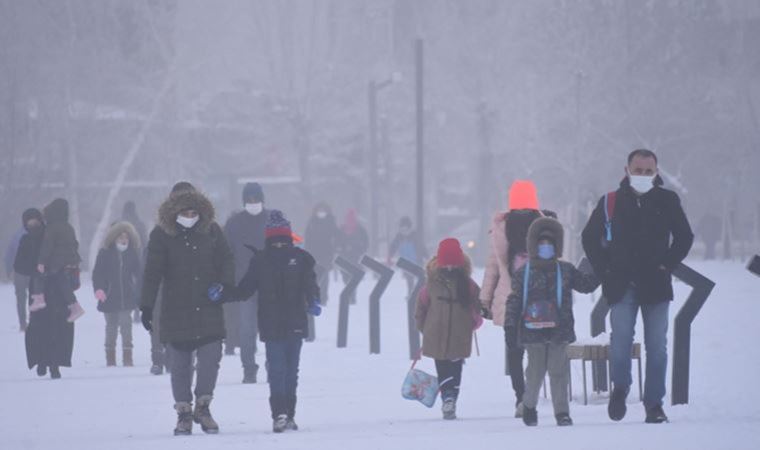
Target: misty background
113	100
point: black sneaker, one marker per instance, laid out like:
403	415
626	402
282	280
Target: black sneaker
617	407
530	416
656	415
564	420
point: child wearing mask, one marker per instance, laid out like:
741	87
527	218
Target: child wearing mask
447	314
115	282
540	316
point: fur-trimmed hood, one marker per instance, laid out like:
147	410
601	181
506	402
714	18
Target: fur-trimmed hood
116	230
180	201
432	266
543	226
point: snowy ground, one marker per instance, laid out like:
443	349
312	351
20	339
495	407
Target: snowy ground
349	398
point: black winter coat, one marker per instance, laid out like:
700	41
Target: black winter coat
28	252
321	239
243	229
285	281
117	274
187	262
352	246
650	237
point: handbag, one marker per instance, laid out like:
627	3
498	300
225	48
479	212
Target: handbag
420	386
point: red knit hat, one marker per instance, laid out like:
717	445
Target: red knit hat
450	253
523	195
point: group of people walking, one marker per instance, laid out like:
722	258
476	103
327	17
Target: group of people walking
635	238
203	290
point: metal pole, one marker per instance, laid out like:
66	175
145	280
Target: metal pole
372	100
420	108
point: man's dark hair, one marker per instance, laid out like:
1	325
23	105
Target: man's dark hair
642	152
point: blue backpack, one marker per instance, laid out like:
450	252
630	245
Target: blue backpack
544	313
609	213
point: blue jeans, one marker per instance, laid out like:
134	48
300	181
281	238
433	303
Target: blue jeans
623	320
249	330
283	356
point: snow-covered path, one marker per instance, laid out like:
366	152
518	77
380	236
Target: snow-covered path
349	399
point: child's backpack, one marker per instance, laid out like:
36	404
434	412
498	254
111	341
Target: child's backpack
543	313
420	386
609	213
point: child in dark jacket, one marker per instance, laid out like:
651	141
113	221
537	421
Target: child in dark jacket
448	311
59	258
115	282
540	316
284	277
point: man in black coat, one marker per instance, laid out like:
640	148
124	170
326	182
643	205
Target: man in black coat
284	277
243	230
634	239
187	254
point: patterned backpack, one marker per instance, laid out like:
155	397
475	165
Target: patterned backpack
543	313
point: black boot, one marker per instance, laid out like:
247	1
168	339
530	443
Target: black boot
564	420
656	415
617	407
249	374
41	370
55	373
530	416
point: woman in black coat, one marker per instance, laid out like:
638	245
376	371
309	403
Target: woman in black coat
49	337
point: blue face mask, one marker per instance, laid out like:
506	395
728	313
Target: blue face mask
545	251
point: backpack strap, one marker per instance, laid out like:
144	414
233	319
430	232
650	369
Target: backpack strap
526	278
609	213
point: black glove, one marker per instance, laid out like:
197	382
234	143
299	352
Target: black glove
146	316
486	313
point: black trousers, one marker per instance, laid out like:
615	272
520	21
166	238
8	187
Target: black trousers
515	357
449	377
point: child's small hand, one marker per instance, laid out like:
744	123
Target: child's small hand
100	295
314	308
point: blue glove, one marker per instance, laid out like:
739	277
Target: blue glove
215	292
314	308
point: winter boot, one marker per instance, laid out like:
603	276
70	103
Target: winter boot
110	357
55	373
563	419
530	416
617	408
127	357
202	415
156	370
41	370
291	425
38	302
229	350
76	311
656	415
290	407
519	408
280	424
249	374
449	409
184	419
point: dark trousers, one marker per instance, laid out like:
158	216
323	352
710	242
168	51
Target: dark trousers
207	365
515	357
158	354
283	357
449	377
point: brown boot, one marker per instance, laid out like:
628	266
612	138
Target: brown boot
202	415
127	357
110	357
184	419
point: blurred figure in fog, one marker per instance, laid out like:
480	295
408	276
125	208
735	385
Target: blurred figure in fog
354	240
20	282
129	215
321	240
408	245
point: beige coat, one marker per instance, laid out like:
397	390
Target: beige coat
446	321
497	283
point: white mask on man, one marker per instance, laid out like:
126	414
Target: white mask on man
321	214
187	222
122	247
641	183
254	209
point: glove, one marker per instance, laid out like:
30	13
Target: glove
314	308
146	317
215	292
486	313
100	295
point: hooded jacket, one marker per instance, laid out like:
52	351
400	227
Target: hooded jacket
542	285
117	273
60	247
28	251
185	263
446	320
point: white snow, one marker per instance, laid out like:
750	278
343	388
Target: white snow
350	399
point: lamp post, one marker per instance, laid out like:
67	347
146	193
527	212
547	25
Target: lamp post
372	90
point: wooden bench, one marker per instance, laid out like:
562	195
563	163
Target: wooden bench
596	352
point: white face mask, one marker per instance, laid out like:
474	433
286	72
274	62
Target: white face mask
641	183
187	222
122	247
321	214
254	209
